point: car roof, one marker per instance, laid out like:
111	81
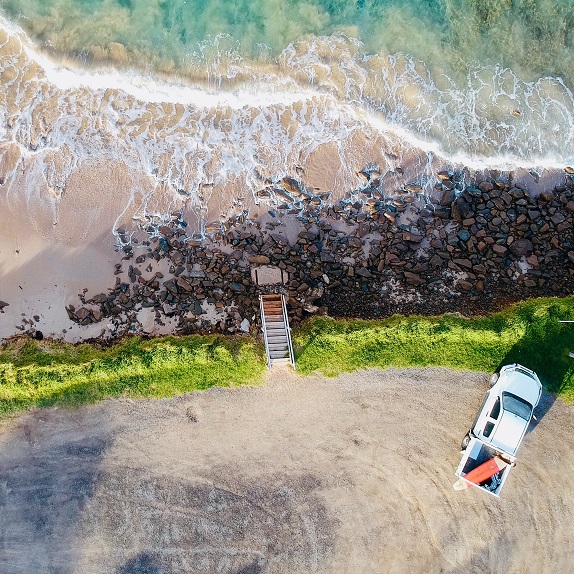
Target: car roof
509	432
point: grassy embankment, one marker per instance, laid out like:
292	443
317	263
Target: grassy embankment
46	373
37	374
528	333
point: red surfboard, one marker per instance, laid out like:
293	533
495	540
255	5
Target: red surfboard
485	470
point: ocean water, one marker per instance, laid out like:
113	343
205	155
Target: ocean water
200	95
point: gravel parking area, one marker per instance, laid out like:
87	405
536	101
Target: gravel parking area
352	474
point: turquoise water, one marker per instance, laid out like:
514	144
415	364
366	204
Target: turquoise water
266	82
534	38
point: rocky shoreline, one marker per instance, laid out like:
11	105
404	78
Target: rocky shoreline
465	247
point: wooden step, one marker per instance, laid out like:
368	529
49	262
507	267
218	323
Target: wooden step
276	330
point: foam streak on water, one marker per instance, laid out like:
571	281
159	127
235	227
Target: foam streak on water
323	105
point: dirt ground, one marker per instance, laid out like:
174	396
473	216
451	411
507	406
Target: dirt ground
347	475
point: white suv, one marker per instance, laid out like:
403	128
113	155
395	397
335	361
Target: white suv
507	409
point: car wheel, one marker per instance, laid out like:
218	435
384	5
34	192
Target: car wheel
465	442
493	379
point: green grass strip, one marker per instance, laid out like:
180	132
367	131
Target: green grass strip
47	373
528	333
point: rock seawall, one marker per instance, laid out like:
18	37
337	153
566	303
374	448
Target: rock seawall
463	248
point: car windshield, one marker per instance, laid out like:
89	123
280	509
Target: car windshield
516	405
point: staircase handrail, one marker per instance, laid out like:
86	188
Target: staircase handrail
288	332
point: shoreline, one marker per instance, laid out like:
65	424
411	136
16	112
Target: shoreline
47	373
369	258
468	247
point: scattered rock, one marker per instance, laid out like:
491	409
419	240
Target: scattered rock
459	254
259	259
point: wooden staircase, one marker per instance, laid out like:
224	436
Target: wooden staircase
276	331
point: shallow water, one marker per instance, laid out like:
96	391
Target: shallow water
532	37
196	96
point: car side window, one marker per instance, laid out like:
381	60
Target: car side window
495	412
488	429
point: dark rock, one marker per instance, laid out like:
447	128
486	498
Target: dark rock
557	218
460	209
448	197
100	298
363	272
463	263
436	261
292	185
413	188
82	313
171	286
165	231
485	186
412	237
355	242
413	278
184	284
521	247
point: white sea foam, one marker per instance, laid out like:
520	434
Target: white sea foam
189	140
